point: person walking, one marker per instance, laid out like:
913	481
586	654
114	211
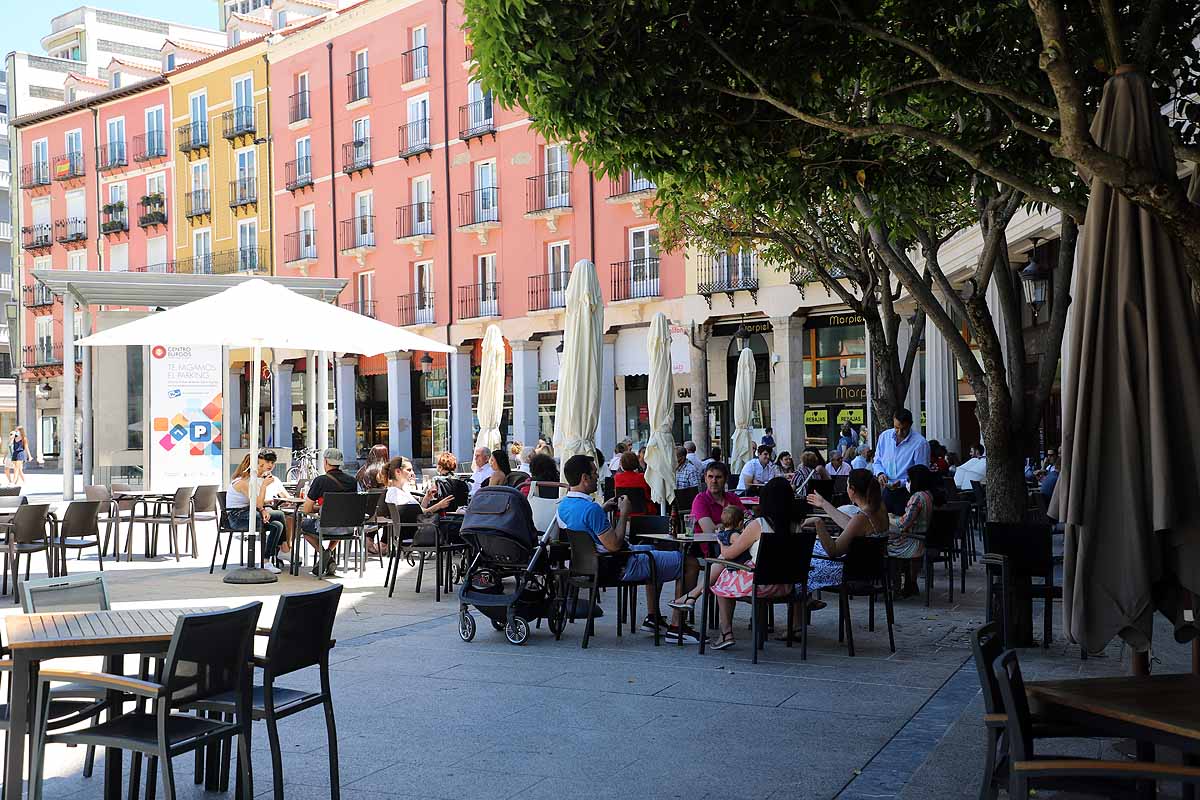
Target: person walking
18	454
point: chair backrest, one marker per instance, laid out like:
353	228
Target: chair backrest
10	491
344	509
128	503
649	523
98	492
943	526
223	522
684	499
866	561
181	505
584	558
13	500
29	523
1029	548
516	478
986	646
949	486
544	508
784	557
821	487
839	484
379	509
302	630
86	592
979	490
1016	705
210	653
606	487
81	519
637	498
205	499
404	515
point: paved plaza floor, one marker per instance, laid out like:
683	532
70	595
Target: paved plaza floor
421	714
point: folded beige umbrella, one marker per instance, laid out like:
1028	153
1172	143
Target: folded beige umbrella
490	405
660	450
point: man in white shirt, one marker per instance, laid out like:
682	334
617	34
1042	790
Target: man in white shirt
975	469
864	459
758	471
483	469
614	463
690	447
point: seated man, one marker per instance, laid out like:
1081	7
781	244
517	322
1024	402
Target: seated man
334	480
578	512
758	471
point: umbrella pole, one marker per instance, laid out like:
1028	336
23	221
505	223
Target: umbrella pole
253	571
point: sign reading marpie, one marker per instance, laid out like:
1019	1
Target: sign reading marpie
833	320
730	328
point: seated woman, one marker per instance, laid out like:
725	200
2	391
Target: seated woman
501	467
775	516
371	477
786	464
872	520
631	477
542	469
810	469
401	483
237	507
917	514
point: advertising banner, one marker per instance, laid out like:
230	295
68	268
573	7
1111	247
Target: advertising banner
681	350
185	417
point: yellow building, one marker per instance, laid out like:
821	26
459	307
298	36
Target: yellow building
221	123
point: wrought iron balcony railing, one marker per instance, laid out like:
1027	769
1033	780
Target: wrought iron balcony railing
635	279
414	220
479	207
547	192
479	300
548	290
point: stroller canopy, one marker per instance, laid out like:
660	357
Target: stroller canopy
500	511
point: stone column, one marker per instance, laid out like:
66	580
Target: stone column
233	408
399	386
85	404
462	425
281	405
606	429
347	412
29	415
912	400
941	387
322	400
67	431
786	363
310	402
525	391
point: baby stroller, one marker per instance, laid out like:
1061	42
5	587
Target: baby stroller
509	577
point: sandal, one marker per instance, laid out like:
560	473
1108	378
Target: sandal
685	603
726	641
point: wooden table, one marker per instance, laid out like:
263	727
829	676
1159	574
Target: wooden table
33	638
1150	709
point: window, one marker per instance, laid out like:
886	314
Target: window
41	213
300	106
418	122
248	245
558	267
118	258
486	206
71	94
235	37
114	81
76	205
170	62
835	355
360	87
156	186
643	263
558	176
422	210
423	287
41	155
246	186
198	105
77	260
115	146
479	106
420	56
44	334
155	140
364	220
366	293
281	19
202	251
362	140
199	194
308	232
73	144
156	254
117	193
303	160
485	271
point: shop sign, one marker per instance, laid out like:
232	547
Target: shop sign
854	393
833	320
185	416
730	328
853	416
817	416
681	350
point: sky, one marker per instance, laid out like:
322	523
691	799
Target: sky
25	22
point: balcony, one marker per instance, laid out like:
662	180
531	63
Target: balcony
414	225
479	300
42	354
238	122
358	84
299	108
632	280
35	174
364	307
111	155
548	290
548	197
196	203
727	273
36	237
414	139
416	64
71	231
356	156
475	120
114	218
152	210
192	137
631	189
297	173
479	211
243	192
300	246
358	234
225	262
5	231
415	309
37	295
149	146
67	167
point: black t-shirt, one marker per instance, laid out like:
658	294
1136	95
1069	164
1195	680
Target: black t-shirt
333	481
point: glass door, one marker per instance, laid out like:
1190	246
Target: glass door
423	287
245	177
364	228
74	146
243	104
308	233
422	210
41	161
489	305
558	267
155	146
558	175
199	109
485	192
248	246
362	141
418	122
643	262
420	54
202	252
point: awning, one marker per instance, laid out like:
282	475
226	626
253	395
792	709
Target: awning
548	356
633	352
166	290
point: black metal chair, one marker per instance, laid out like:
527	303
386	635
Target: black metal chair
593	571
1048	773
223	527
682	504
649	524
209	657
404	544
28	532
864	572
79	530
782	559
940	547
637	499
343	518
1018	552
301	636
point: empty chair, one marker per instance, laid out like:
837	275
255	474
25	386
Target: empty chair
79	530
204	508
1019	553
123	511
176	514
109	517
27	533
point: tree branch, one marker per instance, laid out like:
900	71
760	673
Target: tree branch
1053	333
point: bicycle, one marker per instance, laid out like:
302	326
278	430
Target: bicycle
304	465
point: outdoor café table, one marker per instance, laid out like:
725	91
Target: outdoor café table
33	638
1150	709
680	542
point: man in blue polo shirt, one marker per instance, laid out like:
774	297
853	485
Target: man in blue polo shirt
578	512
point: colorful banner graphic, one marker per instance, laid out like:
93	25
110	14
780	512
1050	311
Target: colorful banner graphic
185	417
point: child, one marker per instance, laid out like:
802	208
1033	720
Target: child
733	519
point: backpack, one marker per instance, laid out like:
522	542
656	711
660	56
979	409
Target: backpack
453	487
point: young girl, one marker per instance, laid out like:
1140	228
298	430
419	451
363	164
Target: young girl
732	520
18	453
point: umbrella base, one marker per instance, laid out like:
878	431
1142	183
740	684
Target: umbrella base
250	575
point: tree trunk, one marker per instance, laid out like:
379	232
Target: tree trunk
699	388
887	393
1006	496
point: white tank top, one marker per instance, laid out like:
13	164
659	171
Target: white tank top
766	528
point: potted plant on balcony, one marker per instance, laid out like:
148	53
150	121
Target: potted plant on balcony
155	213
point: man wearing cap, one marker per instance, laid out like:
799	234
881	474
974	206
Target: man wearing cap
334	480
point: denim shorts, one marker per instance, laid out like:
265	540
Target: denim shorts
668	564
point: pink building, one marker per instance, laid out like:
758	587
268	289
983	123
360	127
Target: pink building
448	213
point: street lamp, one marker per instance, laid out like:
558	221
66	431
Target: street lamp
741	335
1035	281
426	363
561	346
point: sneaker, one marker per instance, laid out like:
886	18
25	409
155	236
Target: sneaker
648	624
271	568
674	633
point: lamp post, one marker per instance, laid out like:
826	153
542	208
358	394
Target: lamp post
426	363
741	335
1035	281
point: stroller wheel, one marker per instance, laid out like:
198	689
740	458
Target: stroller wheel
557	621
517	631
466	625
499	624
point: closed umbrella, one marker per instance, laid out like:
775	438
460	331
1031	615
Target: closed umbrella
660	450
577	405
741	447
1131	469
491	389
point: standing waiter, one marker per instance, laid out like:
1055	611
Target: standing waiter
898	449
